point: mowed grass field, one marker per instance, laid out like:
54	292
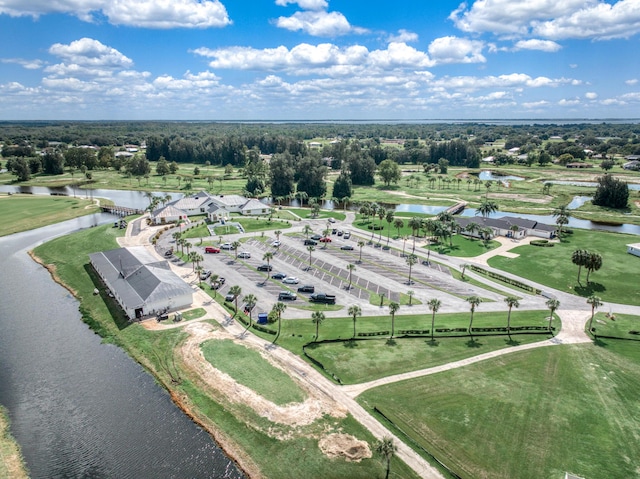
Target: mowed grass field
533	414
26	212
553	267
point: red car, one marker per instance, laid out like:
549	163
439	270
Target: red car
325	240
211	249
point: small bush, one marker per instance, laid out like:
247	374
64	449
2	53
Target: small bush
543	243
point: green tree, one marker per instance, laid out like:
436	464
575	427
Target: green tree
250	302
595	302
580	257
411	260
278	309
553	304
236	291
389	171
398	224
389	220
235	245
268	256
486	208
342	186
473	301
593	263
162	168
387	449
434	305
611	192
317	318
393	309
310	249
350	267
354	311
360	245
512	302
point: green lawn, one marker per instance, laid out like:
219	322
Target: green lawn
617	325
250	369
553	266
305	213
464	247
526	415
26	212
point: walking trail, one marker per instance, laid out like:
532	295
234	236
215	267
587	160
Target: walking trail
324	397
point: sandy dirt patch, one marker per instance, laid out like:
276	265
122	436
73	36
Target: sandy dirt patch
523	198
293	415
345	446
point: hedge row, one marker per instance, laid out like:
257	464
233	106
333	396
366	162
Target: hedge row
451	330
543	243
505	279
376	333
261	328
414	331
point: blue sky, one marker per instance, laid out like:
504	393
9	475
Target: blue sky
319	59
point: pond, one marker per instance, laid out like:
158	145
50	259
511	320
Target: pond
486	175
589	184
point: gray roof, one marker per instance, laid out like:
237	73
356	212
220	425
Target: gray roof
137	276
168	211
254	204
504	222
231	200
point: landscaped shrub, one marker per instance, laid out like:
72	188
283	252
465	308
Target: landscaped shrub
263	329
543	243
377	333
505	279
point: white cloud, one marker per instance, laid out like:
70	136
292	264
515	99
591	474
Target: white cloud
403	36
512	80
317	23
139	13
566	102
305	4
28	64
90	52
535	104
591	95
551	19
632	82
456	50
536	44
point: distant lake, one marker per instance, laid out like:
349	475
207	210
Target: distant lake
487	175
423	209
590	184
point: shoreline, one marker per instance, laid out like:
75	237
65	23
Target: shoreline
11	459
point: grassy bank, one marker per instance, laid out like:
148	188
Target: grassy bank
527	415
27	212
263	448
11	463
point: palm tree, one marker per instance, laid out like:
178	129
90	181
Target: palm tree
306	231
434	305
593	263
199	269
278	309
235	245
414	223
250	301
580	257
410	293
360	245
487	185
389	219
464	268
354	311
473	301
486	208
397	224
387	449
236	291
404	244
214	284
301	195
317	317
277	233
595	302
562	215
514	230
192	258
393	309
187	245
268	256
350	267
411	260
310	249
552	304
511	301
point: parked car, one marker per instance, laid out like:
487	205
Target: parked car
290	280
265	267
331	220
326	239
229	298
310	242
287	296
226	246
307	288
347	247
276	244
323	298
316	237
169	252
347	234
340	232
334	231
278	276
244	254
211	249
218	284
205	274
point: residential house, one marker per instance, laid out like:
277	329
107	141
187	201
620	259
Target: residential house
634	249
508	226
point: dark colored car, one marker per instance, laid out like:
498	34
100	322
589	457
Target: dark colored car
278	276
347	247
229	298
316	237
169	252
310	242
307	288
265	267
287	296
340	232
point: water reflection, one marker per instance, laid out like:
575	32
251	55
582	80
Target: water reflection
487	175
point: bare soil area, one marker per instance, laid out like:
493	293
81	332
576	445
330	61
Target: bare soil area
345	446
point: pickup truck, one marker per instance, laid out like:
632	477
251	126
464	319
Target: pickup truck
323	298
307	288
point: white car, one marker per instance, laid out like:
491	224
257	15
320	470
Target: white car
291	280
226	246
244	254
275	244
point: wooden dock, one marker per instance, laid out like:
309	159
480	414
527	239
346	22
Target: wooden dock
457	208
121	210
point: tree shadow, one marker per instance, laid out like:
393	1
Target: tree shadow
589	289
351	344
512	342
434	343
313	345
600	343
391	342
473	343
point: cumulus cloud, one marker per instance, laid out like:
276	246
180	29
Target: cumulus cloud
90	52
591	95
317	23
140	13
456	50
28	64
633	81
305	4
536	44
512	80
550	19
